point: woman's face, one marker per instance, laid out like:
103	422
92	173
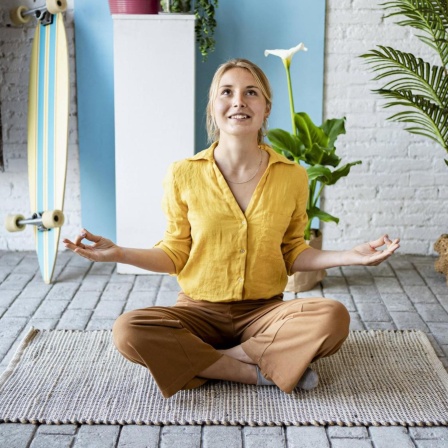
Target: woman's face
239	107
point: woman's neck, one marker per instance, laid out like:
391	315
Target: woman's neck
237	152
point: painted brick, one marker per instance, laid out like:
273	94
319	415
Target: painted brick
74	320
47	440
222	437
23	308
16	434
103	436
57	429
190	436
351	443
432	312
109	309
420	294
408	320
440	331
140	299
136	436
307	437
255	437
429	433
84	300
391	437
349	432
373	312
397	302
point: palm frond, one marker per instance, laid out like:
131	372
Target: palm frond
428	119
429	16
409	73
441	9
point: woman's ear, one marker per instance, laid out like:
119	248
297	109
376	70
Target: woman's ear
268	111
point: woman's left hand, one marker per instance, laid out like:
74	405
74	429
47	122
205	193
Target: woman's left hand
368	255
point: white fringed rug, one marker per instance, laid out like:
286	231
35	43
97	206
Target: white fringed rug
377	378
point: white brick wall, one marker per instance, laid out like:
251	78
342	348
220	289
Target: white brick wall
399	188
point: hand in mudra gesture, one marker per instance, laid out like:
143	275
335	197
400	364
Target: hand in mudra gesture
368	254
102	249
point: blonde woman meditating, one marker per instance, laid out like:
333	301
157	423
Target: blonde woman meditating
236	214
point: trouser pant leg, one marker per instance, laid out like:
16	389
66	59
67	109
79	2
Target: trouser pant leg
173	343
284	341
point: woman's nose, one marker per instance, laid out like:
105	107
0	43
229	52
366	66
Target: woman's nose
238	101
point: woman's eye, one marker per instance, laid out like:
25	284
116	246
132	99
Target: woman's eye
251	92
225	92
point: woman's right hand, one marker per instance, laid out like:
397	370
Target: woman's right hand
102	249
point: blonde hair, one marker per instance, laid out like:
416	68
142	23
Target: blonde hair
262	83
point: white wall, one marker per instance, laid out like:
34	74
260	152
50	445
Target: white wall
15	51
401	187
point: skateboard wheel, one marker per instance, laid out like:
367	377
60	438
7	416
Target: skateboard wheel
16	15
52	219
12	223
55	6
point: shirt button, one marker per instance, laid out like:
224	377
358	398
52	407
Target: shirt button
240	279
243	223
242	251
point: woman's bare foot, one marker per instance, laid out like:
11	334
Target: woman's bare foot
237	353
230	369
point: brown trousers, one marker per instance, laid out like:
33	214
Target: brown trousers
281	337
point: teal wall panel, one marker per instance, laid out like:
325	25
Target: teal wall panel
95	94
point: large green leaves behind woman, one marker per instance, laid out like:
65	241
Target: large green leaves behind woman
314	147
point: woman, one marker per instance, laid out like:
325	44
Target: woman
236	214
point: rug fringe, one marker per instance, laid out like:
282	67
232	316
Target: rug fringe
32	332
432	355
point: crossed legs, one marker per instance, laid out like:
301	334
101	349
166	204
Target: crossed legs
185	345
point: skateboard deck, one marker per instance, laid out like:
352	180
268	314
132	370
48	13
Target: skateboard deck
48	103
48	110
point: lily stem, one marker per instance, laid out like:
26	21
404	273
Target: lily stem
291	99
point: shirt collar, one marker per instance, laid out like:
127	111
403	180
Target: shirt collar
274	157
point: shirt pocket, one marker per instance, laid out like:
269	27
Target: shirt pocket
273	229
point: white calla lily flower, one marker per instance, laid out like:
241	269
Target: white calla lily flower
286	55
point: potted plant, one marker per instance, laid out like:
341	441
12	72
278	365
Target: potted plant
418	86
204	10
313	147
134	6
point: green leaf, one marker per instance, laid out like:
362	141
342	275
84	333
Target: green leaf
330	158
314	155
320	173
409	73
430	119
284	141
316	212
308	132
342	172
428	16
333	128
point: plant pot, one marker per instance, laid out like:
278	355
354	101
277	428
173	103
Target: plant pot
441	246
134	6
304	281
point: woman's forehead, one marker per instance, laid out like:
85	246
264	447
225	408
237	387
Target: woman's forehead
237	74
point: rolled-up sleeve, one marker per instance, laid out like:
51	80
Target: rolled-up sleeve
293	241
176	242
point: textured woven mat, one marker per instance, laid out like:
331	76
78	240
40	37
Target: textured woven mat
377	378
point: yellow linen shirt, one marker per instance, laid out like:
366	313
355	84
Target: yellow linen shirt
220	253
